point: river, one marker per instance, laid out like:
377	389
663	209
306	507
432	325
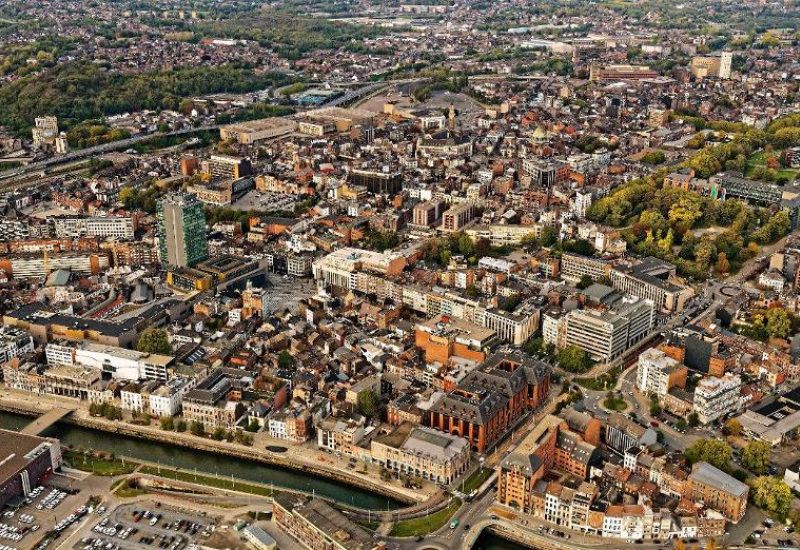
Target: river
490	541
181	457
172	455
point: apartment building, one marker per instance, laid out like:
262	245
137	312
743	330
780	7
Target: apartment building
73	227
657	373
226	167
340	435
13	343
22	266
622	434
575	267
155	397
714	397
290	424
457	216
215	401
504	234
550	445
428	213
717	490
718	66
581	202
513	327
544	172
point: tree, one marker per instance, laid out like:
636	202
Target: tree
533	346
219	434
369	403
549	236
197	428
655	409
180	426
585	282
530	242
732	427
711	544
694	420
574	359
253	426
723	265
778	322
705	164
772	494
755	457
285	360
715	452
167	423
154	340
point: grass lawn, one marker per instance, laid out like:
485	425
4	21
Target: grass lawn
600	383
424	525
209	481
98	465
758	159
124	491
615	404
476	479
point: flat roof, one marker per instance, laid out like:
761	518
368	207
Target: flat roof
15	449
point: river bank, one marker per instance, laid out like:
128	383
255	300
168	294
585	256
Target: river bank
218	457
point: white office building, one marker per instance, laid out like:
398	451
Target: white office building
608	333
121	363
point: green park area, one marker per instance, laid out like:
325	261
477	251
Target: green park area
614	403
425	524
476	479
99	464
767	167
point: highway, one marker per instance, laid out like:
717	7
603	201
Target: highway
93	151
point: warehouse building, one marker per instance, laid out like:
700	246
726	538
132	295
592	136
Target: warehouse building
25	462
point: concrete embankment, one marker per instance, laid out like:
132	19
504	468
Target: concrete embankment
217	447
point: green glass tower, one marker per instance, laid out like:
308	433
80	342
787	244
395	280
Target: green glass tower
181	230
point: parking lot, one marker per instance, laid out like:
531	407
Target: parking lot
265	201
147	524
54	508
771	533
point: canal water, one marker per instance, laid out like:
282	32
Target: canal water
188	459
489	541
170	455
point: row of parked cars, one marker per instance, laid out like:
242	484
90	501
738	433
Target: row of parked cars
98	544
53	499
